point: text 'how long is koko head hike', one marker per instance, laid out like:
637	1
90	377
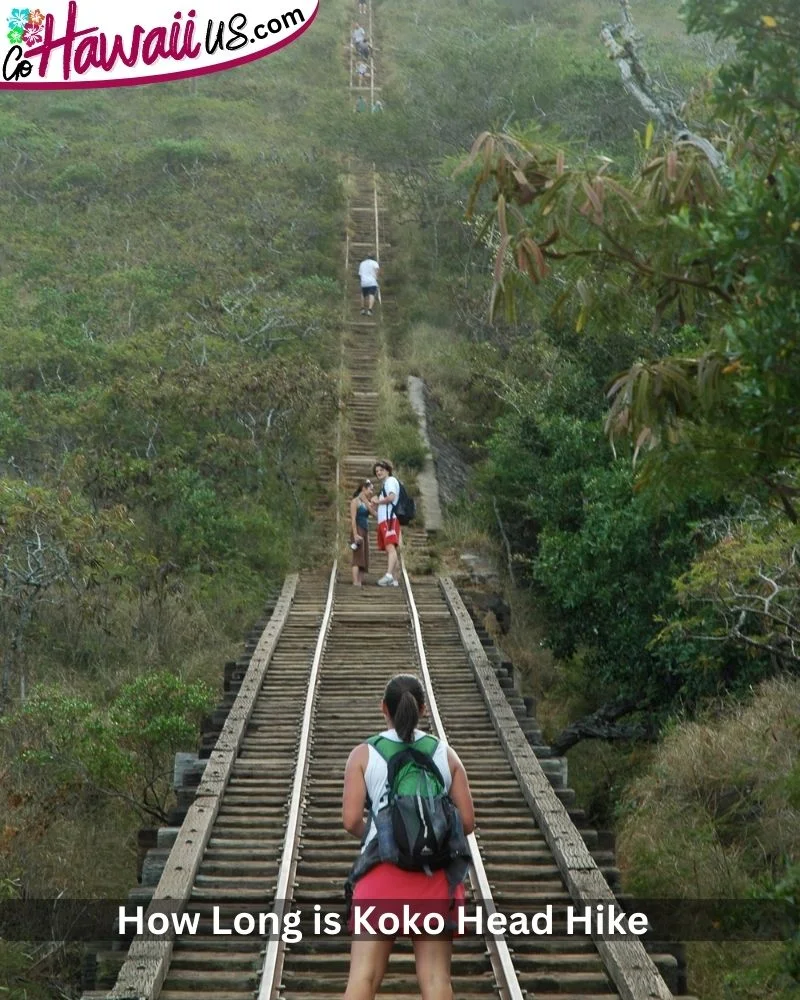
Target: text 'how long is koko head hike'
93	43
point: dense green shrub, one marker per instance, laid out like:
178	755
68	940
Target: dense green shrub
63	748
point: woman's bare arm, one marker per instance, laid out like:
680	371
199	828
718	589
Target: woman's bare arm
460	792
354	796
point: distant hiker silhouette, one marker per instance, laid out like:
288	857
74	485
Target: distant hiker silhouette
368	276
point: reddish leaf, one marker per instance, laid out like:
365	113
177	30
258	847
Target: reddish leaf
499	260
501	215
595	202
672	164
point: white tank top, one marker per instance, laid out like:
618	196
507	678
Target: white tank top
377	772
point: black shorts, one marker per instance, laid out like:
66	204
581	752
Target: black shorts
369	289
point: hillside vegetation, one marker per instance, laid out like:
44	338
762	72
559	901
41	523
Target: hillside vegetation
717	816
608	326
608	323
171	284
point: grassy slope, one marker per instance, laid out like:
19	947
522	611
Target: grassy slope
147	233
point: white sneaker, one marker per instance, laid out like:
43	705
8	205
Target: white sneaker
395	583
387	581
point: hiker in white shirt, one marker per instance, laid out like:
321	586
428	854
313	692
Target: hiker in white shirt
368	276
388	525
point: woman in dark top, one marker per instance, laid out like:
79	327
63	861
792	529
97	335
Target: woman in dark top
360	509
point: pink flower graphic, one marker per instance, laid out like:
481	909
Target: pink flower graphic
36	17
19	18
33	34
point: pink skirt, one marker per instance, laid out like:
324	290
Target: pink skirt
389	901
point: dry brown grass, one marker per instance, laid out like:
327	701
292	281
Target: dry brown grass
525	644
715	813
464	531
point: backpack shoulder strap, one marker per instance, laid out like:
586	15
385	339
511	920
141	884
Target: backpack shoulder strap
423	761
421	753
428	744
386	748
400	491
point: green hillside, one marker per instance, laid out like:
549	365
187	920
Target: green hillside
608	324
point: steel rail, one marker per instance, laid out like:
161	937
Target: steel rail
371	65
273	958
346	253
499	953
375	208
377	224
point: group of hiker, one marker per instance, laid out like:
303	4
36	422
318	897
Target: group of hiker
411	785
388	502
358	36
406	797
363	105
363	65
383	506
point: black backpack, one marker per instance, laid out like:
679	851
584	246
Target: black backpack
419	828
405	510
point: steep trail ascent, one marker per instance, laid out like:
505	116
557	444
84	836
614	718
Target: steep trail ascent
263	831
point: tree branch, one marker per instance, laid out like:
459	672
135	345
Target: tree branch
621	40
506	542
600	725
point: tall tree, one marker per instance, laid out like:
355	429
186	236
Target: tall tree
713	253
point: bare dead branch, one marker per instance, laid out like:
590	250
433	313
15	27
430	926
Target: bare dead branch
622	42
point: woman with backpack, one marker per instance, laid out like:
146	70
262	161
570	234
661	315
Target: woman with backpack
360	509
429	890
